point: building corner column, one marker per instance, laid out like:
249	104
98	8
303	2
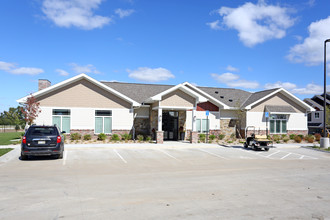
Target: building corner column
194	137
160	137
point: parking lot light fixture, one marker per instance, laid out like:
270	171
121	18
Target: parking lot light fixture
325	140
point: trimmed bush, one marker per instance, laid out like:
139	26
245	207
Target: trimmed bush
309	138
87	137
115	137
140	137
101	137
292	136
297	139
301	136
148	138
283	136
75	136
276	138
285	139
212	137
221	136
126	137
317	137
202	137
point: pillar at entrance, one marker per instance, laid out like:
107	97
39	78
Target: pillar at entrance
160	137
194	137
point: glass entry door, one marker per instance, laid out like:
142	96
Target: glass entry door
170	125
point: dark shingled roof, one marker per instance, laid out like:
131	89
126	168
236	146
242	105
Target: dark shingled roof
257	95
313	103
231	97
279	108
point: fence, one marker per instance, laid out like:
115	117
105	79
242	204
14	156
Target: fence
7	128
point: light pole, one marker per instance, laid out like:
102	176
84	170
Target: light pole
325	140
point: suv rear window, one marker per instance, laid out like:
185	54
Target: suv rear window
42	131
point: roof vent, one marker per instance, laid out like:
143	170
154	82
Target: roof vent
230	100
221	97
216	92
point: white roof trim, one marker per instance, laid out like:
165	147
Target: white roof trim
208	96
183	88
286	93
74	79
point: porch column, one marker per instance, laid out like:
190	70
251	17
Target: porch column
194	133
160	133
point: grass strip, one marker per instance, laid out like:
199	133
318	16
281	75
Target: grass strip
5	150
5	138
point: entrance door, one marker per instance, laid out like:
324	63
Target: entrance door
170	125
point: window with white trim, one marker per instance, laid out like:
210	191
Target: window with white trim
103	121
202	125
61	118
278	124
317	115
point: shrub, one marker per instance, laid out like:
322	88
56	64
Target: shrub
276	138
297	139
75	136
126	137
140	137
301	136
292	136
221	136
101	137
87	137
317	137
309	138
285	139
148	138
17	127
283	136
115	137
212	137
202	137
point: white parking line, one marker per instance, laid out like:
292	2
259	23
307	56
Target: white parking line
119	156
286	156
65	155
273	153
302	157
168	154
213	154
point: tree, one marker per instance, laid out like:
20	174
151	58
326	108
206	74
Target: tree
31	109
12	117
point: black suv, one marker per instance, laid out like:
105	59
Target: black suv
42	141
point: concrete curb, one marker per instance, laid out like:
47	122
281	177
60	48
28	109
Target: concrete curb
10	155
316	149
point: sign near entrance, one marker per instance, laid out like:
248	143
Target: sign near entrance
207	112
267	114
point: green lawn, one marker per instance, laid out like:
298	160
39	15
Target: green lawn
6	137
5	150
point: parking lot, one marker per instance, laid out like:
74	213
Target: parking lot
170	181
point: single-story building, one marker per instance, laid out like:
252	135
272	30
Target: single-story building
166	112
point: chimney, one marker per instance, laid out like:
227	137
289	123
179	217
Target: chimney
43	84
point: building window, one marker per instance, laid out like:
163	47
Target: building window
317	115
309	117
278	124
61	118
103	121
203	125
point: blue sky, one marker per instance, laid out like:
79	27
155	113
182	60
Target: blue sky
250	45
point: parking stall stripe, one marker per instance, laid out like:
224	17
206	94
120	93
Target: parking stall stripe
301	157
64	157
213	154
273	153
286	156
119	156
168	154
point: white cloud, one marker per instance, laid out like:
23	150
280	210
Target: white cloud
6	66
257	23
89	68
124	13
62	72
311	89
214	25
279	84
78	13
233	80
311	51
232	69
13	69
147	74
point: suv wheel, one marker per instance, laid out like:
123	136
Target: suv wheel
24	157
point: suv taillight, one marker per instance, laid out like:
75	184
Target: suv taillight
59	139
24	140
